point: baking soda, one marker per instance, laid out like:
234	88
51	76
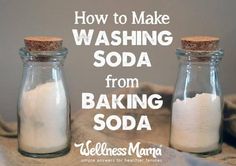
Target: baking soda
43	127
196	123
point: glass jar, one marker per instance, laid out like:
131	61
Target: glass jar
196	118
43	105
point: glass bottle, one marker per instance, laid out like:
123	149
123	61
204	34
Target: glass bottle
43	104
196	118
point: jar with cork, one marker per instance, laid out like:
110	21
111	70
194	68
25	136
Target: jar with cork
43	103
196	118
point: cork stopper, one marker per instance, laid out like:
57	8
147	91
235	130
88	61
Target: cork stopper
43	43
200	43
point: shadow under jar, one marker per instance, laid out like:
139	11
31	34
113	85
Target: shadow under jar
196	118
43	104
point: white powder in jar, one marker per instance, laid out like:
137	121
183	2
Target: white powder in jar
44	118
196	123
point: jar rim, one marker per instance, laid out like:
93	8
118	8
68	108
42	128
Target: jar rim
58	53
183	52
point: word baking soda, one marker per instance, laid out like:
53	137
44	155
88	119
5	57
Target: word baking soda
114	101
196	123
43	123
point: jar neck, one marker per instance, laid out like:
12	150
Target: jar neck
40	64
199	57
39	57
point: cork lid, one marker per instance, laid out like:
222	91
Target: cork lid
43	43
200	43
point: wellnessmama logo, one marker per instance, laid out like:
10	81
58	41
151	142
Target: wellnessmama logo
88	37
